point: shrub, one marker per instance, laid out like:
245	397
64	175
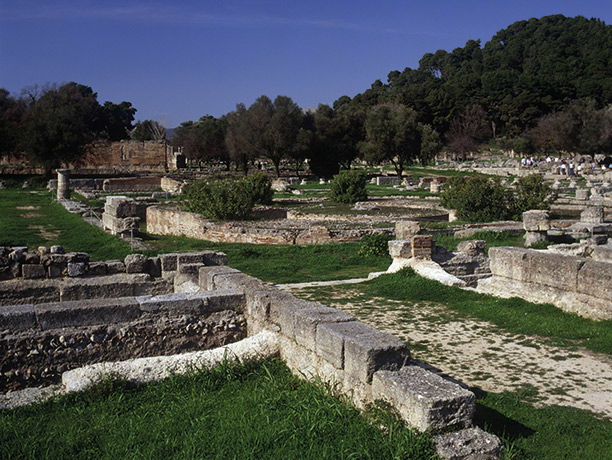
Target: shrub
349	187
532	193
479	199
261	188
374	245
221	200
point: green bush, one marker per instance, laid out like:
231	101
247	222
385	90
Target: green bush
349	187
221	200
261	187
374	245
532	193
478	199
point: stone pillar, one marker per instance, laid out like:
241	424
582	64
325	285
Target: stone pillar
63	184
422	246
434	186
536	224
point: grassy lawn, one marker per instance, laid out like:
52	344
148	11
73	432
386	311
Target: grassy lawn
33	218
283	264
492	238
252	411
515	315
547	433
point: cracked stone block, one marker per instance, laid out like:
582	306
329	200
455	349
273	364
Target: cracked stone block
365	350
425	400
115	267
406	229
224	299
258	302
532	238
33	271
97	269
136	263
206	275
282	312
400	249
468	444
172	303
77	269
168	262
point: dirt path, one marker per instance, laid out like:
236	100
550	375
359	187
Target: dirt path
482	354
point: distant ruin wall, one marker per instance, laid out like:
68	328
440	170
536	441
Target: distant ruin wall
574	284
169	221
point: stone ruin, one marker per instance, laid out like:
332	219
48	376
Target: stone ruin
74	330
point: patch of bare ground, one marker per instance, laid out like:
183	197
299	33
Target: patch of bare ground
483	355
47	233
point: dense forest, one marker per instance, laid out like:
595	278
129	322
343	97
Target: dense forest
538	85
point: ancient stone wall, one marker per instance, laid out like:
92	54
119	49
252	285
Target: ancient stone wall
575	284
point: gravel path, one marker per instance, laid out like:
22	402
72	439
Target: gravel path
484	355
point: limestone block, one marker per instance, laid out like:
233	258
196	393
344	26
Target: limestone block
172	303
595	279
301	361
33	271
97	269
468	444
308	319
15	269
423	399
120	285
43	250
57	250
536	220
553	270
508	262
14	317
283	314
136	263
168	262
582	194
472	247
258	302
602	254
204	257
406	229
224	299
115	267
31	258
422	246
365	349
239	281
86	313
592	215
532	238
54	271
77	269
400	249
206	275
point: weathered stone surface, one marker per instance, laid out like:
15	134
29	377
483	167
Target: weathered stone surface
13	292
86	312
77	269
206	275
57	250
115	267
365	349
97	269
400	249
14	317
282	313
136	263
468	444
422	246
224	299
172	303
239	281
258	302
536	221
308	319
582	194
33	271
168	262
472	247
532	238
592	215
508	262
153	267
595	279
554	270
423	399
121	285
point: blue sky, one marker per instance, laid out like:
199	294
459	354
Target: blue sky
178	60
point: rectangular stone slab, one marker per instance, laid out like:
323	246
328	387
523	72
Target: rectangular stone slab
363	349
14	317
423	399
307	320
87	312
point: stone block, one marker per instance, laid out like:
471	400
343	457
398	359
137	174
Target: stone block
308	319
536	221
224	299
77	269
86	312
400	249
239	281
15	317
509	262
206	275
592	215
31	258
121	285
553	270
595	279
57	250
33	271
472	247
115	267
301	361
283	312
423	399
258	302
421	246
532	238
582	194
179	303
97	269
20	291
168	262
468	444
365	349
406	229
15	269
136	263
153	267
54	271
215	258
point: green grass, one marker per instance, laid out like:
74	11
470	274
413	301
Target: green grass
504	238
515	315
250	411
280	263
552	432
50	224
